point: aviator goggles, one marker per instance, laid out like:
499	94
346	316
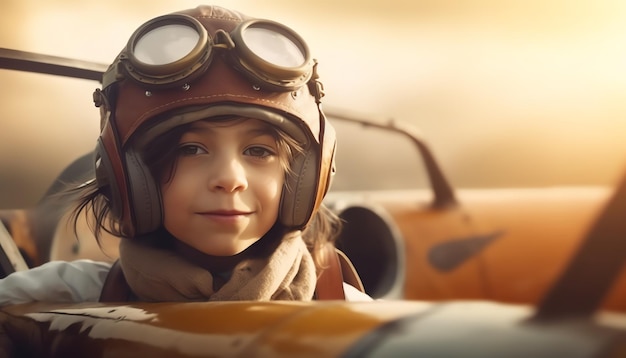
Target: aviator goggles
173	50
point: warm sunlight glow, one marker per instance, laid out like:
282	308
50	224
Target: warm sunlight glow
509	93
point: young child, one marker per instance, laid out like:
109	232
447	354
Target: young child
213	159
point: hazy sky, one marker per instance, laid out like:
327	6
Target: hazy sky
508	93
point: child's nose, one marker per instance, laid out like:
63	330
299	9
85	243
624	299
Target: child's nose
229	176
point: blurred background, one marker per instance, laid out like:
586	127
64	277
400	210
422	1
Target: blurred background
508	93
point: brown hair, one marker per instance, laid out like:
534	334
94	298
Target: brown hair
160	156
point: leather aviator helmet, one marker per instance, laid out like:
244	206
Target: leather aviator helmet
222	63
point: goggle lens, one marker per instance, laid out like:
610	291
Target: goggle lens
166	44
273	47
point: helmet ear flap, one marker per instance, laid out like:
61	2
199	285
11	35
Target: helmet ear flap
309	180
106	179
133	195
144	194
300	190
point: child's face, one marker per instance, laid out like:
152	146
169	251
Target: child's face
225	191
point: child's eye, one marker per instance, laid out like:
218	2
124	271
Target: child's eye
259	152
191	149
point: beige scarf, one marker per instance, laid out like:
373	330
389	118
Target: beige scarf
162	275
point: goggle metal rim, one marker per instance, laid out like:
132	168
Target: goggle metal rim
252	62
174	71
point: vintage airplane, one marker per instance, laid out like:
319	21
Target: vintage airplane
523	272
433	243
